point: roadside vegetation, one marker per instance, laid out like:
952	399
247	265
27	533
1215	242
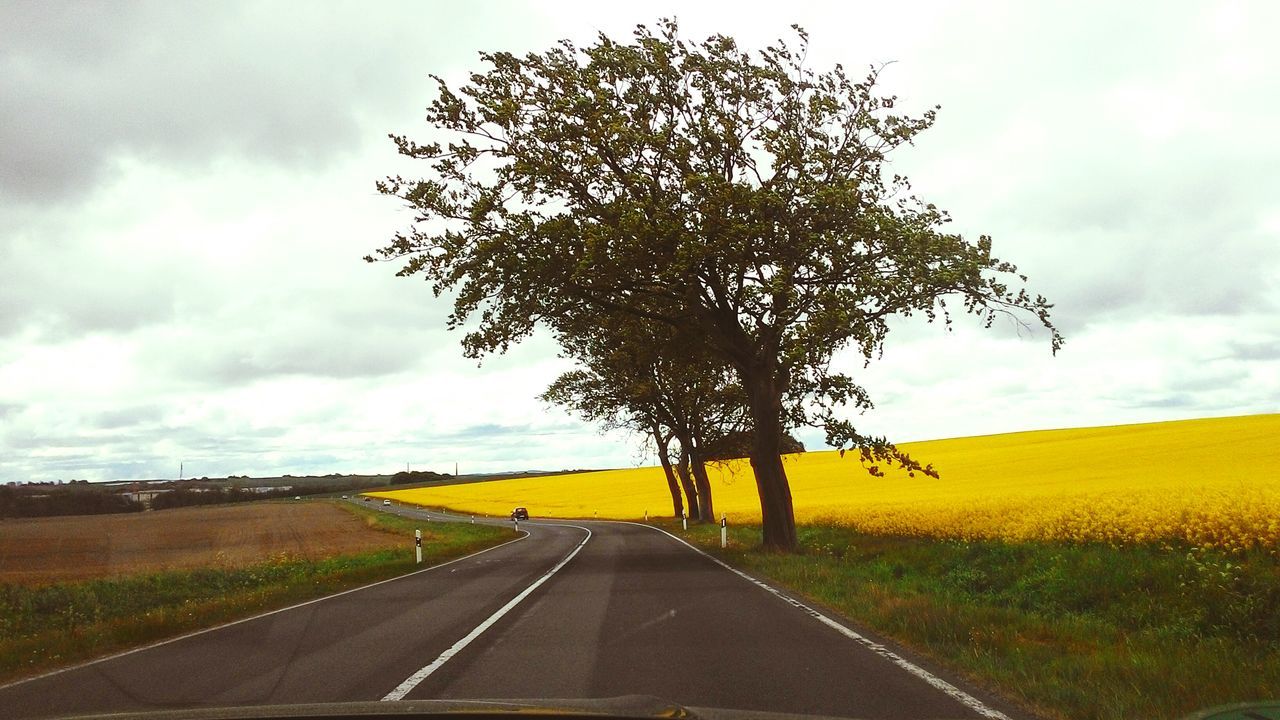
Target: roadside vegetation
43	627
1072	630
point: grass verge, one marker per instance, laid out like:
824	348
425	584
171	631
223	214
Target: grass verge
1071	631
49	626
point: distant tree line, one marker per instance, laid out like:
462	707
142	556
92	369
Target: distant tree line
406	477
185	496
43	500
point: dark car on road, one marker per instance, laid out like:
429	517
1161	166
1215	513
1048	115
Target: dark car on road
520	514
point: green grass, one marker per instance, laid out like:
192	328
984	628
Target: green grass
1071	631
46	627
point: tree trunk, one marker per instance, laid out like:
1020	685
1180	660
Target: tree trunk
690	491
664	446
776	511
703	483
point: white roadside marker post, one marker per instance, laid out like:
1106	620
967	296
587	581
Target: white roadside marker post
473	519
684	520
646	515
724	531
417	543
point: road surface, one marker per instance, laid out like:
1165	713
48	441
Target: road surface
573	609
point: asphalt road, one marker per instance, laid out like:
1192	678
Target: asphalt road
575	609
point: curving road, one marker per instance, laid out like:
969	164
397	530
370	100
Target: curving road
572	609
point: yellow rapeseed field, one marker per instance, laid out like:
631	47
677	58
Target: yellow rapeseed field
1213	482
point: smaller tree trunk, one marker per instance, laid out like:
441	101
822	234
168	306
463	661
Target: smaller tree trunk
664	447
686	481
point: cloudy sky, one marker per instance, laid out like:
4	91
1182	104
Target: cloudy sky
186	190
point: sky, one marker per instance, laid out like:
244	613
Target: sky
187	190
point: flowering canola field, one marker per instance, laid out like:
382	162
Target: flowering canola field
1212	482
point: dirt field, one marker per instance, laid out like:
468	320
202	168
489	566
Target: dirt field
40	550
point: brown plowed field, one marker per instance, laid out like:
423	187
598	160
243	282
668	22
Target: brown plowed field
41	550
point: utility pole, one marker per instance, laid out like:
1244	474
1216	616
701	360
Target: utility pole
180	467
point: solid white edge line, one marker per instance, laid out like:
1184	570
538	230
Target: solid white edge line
413	680
963	697
215	628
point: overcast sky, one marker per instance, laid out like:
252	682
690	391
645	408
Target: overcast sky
186	190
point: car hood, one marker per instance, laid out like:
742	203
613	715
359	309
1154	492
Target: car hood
629	706
616	708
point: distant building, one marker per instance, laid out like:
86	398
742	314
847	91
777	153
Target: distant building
144	496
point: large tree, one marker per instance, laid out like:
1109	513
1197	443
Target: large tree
739	195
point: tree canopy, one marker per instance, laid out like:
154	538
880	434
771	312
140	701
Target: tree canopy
740	197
